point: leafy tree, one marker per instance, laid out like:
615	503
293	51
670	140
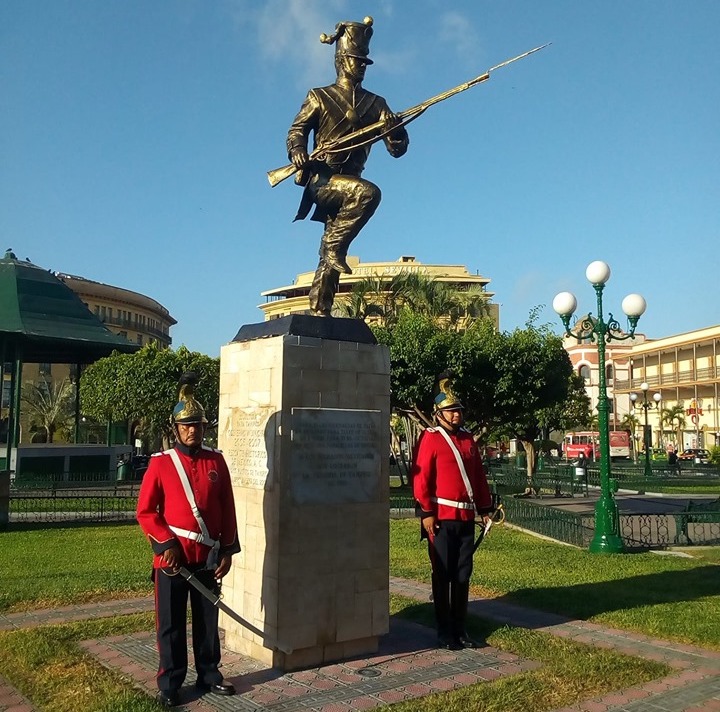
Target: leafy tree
143	387
49	407
534	371
419	350
507	380
571	414
105	389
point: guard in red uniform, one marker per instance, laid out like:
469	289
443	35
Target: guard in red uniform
451	489
187	511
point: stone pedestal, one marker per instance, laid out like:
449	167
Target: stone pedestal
304	426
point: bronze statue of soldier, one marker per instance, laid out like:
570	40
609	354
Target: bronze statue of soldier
343	200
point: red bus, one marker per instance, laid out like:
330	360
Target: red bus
588	443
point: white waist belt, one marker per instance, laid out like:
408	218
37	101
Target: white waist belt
452	503
194	536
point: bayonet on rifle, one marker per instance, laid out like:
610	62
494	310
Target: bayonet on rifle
374	132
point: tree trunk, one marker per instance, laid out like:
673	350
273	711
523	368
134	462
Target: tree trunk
529	448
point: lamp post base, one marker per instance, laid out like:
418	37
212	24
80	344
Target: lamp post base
607	539
606	544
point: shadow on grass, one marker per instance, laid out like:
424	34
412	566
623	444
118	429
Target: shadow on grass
424	614
590	599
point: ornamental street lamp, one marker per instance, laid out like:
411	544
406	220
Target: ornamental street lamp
647	440
607	522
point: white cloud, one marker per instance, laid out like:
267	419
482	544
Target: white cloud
454	28
287	34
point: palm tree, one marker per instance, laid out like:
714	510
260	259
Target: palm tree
436	299
472	303
631	423
360	302
674	416
375	297
49	407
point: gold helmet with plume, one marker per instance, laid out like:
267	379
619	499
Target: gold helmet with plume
445	398
188	410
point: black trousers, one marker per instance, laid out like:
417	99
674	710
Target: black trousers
451	551
451	559
171	596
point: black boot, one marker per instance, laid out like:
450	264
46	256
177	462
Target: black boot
459	593
441	600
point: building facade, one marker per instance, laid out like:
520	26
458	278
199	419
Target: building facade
584	358
293	298
130	314
136	317
683	369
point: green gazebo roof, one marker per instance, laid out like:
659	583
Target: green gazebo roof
46	322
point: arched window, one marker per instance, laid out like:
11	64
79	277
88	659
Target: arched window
609	373
584	372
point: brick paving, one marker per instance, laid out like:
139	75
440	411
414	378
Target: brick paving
406	666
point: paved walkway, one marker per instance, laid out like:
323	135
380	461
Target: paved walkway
407	665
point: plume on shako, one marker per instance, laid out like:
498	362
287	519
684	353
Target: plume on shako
445	397
351	39
188	410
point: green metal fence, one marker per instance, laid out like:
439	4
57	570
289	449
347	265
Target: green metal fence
59	481
72	506
568	527
94	497
562	479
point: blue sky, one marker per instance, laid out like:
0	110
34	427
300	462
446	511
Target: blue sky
135	136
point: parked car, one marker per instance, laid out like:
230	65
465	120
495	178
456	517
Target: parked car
697	454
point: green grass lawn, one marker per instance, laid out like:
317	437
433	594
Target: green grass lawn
667	596
569	671
671	597
51	565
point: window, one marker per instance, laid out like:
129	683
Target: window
609	373
45	369
584	372
140	339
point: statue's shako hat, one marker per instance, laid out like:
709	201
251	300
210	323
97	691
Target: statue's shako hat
445	398
351	39
188	410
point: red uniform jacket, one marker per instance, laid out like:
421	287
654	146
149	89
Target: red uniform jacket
436	474
162	502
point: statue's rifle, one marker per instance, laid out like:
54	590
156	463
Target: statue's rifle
378	130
